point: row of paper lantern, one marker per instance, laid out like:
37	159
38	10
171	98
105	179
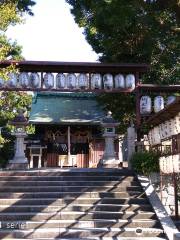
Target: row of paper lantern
159	103
70	81
164	130
170	164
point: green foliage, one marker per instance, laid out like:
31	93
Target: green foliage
145	162
8	15
117	104
132	32
10	102
22	6
11	13
6	153
2	141
9	49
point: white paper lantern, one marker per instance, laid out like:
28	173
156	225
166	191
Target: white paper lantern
150	137
153	137
177	124
119	81
82	81
108	81
163	164
162	130
49	80
71	80
166	129
176	163
96	81
34	80
170	164
130	81
24	79
145	105
60	80
170	99
157	138
169	160
12	82
1	82
171	127
158	104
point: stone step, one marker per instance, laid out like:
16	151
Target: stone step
78	215
132	194
75	204
96	238
68	183
67	178
71	172
73	207
133	189
80	224
68	201
80	233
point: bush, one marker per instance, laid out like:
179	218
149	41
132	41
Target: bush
145	162
6	153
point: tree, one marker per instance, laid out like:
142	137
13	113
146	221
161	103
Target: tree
134	31
11	13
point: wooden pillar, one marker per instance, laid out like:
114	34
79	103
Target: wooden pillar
174	176
69	143
138	115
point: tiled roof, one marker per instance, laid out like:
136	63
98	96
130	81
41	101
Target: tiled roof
66	108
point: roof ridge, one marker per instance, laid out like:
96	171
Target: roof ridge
67	94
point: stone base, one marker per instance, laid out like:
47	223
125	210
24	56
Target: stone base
18	164
111	163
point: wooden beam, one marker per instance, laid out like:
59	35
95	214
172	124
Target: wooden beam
69	143
158	88
76	67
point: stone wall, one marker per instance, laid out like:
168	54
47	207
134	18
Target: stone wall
165	191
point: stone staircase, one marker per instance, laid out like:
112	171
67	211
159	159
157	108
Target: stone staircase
75	204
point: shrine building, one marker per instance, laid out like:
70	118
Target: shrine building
68	131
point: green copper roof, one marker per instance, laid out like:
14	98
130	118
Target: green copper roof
65	108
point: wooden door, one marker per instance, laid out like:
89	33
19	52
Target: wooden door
82	160
96	152
52	159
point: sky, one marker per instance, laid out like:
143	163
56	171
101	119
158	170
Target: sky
52	34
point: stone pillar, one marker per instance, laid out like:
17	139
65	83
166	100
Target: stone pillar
19	161
109	159
131	138
120	155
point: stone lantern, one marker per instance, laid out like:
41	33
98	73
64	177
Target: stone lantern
109	159
19	161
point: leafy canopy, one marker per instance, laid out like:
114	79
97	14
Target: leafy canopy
133	31
11	13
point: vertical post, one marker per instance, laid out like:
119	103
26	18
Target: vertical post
69	143
89	80
161	185
41	79
120	153
138	115
175	195
131	138
31	159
